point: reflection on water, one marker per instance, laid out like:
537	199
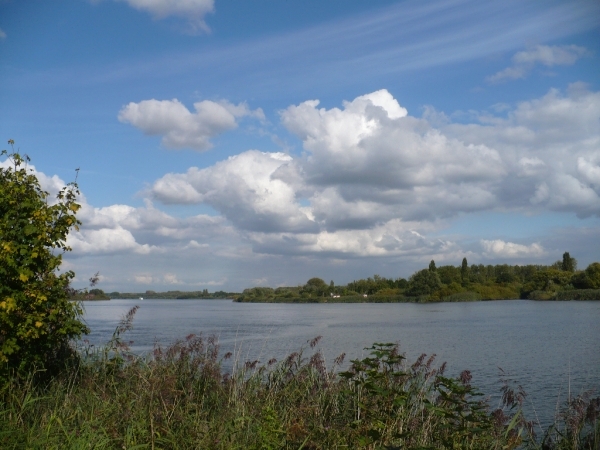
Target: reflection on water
548	347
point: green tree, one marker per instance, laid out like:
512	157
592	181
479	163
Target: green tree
423	282
315	287
449	274
432	266
588	278
568	264
37	320
464	271
548	280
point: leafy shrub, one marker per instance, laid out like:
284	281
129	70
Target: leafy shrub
37	320
579	294
462	297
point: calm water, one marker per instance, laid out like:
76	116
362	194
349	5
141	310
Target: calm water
547	347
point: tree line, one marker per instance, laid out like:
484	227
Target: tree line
464	282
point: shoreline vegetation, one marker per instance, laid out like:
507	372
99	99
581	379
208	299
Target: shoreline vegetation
182	397
464	283
559	281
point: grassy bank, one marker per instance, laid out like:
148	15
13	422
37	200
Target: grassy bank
180	398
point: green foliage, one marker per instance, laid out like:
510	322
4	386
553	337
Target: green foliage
424	282
374	284
464	271
447	283
462	297
315	287
180	398
579	294
449	274
258	292
568	264
37	320
548	280
589	278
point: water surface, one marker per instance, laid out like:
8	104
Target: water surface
547	347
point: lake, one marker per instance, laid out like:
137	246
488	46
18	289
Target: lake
550	348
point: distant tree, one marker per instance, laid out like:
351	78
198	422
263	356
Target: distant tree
432	266
315	287
423	282
504	273
401	283
449	274
568	264
549	279
588	278
464	270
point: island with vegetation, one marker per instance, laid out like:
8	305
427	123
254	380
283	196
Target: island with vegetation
559	281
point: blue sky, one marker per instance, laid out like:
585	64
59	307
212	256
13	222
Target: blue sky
226	144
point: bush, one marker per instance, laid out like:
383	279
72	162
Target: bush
462	297
423	282
37	320
579	294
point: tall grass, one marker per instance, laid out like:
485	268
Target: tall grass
180	398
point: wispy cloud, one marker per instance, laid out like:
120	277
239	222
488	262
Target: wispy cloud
2	34
404	37
525	61
192	11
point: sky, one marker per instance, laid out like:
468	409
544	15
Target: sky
228	144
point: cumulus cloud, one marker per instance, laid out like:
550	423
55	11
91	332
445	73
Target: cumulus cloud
500	249
181	128
372	181
550	148
105	240
243	189
393	238
371	162
193	11
144	279
371	175
525	61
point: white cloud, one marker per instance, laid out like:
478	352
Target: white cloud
192	11
2	34
524	61
171	278
373	162
590	170
243	189
563	55
105	240
181	128
144	279
501	249
393	238
550	148
373	183
370	164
